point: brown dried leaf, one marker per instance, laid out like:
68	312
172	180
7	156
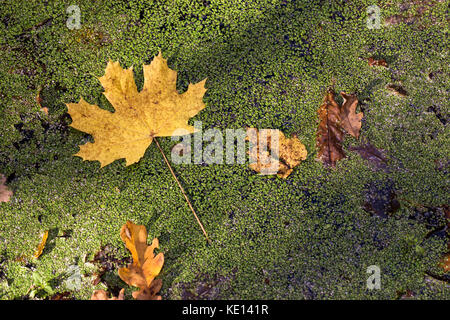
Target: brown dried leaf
329	133
445	262
291	152
377	62
149	293
397	90
374	156
5	193
350	120
145	266
334	121
61	296
103	295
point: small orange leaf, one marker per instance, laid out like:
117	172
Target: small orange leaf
41	245
145	266
39	102
103	295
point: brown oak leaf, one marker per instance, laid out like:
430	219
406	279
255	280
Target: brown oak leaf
145	266
350	120
334	122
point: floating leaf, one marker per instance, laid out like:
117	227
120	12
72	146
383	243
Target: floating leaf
334	122
350	120
156	111
381	199
377	62
5	193
103	295
41	245
376	157
291	152
329	133
145	266
397	90
445	262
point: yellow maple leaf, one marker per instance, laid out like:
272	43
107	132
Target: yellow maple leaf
158	110
145	266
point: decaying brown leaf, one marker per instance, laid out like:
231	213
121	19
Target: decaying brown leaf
334	122
381	199
145	266
290	152
397	90
107	260
156	111
376	157
350	120
329	133
5	193
41	245
103	295
445	262
377	62
61	296
39	102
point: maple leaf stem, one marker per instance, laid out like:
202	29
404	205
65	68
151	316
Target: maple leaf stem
182	189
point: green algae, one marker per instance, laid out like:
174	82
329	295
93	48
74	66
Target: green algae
268	64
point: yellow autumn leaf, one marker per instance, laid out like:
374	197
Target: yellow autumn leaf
291	152
158	110
41	245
